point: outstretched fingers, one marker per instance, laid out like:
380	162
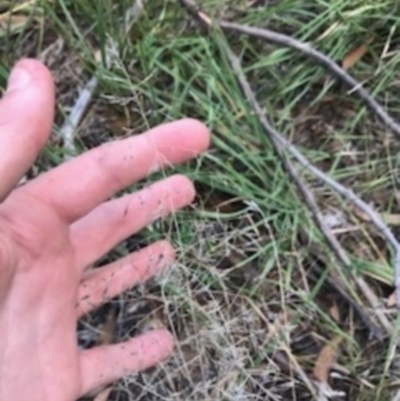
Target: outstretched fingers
76	187
105	364
26	117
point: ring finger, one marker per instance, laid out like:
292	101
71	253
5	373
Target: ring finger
100	285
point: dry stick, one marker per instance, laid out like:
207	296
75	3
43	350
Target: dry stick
375	107
310	201
364	95
309	51
308	196
279	141
327	62
336	282
338	250
68	129
356	87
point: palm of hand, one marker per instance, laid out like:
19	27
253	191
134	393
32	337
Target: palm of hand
56	226
40	258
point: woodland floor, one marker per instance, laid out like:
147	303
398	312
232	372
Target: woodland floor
254	299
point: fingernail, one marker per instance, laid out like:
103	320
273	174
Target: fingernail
19	79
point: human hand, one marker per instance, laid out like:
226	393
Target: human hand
54	227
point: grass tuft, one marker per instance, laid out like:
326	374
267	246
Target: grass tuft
249	304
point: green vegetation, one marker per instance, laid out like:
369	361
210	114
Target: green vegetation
248	301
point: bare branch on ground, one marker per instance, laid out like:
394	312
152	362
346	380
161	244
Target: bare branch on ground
281	145
69	127
305	48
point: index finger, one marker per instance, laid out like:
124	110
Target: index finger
76	187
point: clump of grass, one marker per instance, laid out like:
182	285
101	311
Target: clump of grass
247	302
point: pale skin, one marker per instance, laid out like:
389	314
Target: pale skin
55	227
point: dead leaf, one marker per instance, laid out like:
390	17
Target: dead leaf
391	301
397	196
26	6
334	312
108	329
355	56
104	394
391	219
325	359
13	25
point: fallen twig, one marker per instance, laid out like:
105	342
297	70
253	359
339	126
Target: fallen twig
281	143
354	85
309	51
69	127
308	197
336	282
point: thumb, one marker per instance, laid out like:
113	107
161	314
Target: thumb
26	116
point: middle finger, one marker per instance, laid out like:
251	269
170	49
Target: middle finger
107	225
